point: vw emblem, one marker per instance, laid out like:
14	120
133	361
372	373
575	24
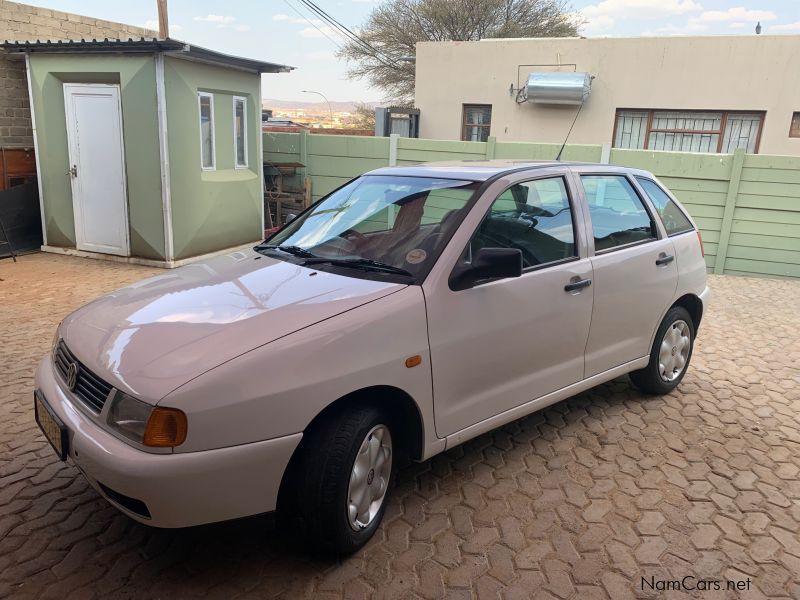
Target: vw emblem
72	376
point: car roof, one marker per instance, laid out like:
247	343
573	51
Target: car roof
481	170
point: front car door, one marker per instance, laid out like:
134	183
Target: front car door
635	271
504	343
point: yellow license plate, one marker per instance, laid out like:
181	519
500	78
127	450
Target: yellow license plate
54	430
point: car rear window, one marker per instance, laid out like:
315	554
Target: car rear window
671	215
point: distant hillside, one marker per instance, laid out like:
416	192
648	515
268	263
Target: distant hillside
348	106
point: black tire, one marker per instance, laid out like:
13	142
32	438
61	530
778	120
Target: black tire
649	379
317	504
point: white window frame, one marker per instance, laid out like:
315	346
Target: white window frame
236	164
212	124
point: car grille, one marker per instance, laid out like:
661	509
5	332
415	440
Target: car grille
88	386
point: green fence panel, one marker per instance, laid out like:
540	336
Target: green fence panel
746	206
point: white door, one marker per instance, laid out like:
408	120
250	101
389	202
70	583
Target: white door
501	344
97	167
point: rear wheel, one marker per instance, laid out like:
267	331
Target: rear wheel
670	355
343	479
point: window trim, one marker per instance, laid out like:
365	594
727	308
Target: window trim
794	133
552	263
720	132
464	123
236	164
212	124
680	208
654	221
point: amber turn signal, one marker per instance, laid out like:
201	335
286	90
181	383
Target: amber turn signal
166	428
413	361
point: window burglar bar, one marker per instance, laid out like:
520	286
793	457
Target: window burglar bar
688	131
476	122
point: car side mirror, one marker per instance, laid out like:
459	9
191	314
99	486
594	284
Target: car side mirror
487	263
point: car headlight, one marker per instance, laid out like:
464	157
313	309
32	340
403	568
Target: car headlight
155	426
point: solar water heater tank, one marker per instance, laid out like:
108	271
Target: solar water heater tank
558	88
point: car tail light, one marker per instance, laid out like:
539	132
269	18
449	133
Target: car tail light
700	239
166	428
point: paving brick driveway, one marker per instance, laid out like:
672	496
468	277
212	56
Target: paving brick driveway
579	501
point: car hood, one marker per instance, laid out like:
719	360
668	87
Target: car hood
153	336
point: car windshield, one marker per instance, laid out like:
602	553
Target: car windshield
379	223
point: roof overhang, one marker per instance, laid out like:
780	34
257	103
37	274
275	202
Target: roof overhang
168	46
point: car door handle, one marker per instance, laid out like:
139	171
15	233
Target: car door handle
578	285
664	259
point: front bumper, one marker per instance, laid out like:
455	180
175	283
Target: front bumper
179	489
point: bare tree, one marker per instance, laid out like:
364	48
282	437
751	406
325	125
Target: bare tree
395	26
363	116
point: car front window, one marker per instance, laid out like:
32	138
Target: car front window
379	221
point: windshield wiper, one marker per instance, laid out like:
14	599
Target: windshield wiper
294	250
359	263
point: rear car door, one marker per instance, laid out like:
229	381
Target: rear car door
503	343
635	271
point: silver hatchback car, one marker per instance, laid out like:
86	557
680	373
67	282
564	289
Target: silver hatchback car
408	311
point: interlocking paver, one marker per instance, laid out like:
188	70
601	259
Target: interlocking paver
579	501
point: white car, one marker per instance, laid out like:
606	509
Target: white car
408	311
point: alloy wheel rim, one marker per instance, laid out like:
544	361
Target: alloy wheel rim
369	479
674	351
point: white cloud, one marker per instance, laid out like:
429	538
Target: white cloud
737	13
641	9
280	17
153	24
218	19
242	28
597	25
786	27
737	25
322	55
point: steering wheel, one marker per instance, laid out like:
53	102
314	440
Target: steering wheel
529	219
357	236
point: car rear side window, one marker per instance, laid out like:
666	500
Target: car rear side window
675	221
618	215
534	217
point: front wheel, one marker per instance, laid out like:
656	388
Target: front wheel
344	479
670	355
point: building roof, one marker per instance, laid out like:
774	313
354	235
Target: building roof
169	46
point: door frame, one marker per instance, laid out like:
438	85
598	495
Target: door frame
72	151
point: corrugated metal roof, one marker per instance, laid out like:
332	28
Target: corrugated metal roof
170	46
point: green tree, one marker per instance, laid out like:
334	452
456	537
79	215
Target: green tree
395	26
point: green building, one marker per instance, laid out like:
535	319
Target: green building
147	149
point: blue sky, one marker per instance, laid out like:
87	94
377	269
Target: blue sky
273	30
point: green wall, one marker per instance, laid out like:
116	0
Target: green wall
211	209
746	206
136	77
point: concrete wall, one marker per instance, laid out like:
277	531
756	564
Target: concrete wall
746	206
221	208
22	22
136	78
749	73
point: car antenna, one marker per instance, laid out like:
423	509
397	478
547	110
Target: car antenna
558	156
